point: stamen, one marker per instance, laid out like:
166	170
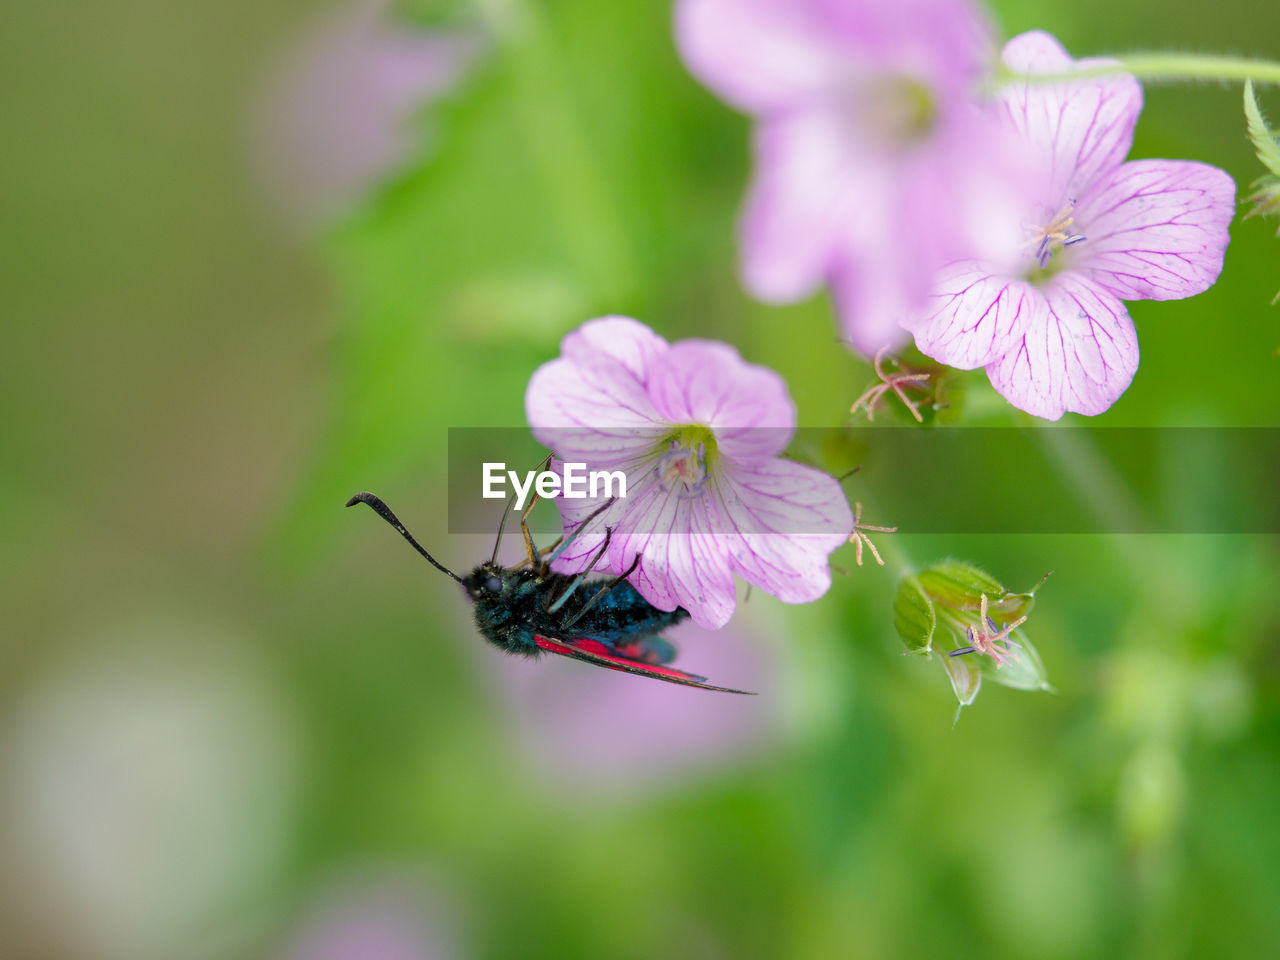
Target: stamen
683	469
990	638
895	381
859	535
1055	235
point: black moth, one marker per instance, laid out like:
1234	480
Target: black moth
527	609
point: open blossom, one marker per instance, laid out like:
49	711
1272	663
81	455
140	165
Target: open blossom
699	433
1050	325
873	165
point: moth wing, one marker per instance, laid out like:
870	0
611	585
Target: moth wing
602	654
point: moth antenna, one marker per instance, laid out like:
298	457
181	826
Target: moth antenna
382	510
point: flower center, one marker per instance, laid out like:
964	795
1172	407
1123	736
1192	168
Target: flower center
1048	239
897	111
683	467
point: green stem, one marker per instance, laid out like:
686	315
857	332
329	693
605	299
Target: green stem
1162	66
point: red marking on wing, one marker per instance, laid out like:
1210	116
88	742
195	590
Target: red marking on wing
603	655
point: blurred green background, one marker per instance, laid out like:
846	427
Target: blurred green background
239	721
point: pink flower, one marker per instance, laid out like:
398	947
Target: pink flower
1049	326
873	165
335	117
699	433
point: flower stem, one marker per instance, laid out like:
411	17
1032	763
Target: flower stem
1162	66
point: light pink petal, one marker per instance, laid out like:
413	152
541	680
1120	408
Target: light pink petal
682	562
974	318
584	544
648	508
781	520
1156	229
767	55
959	198
747	406
798	204
945	44
627	341
1078	352
758	55
871	297
591	405
1084	128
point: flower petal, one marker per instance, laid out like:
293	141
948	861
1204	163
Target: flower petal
1076	351
627	341
1157	229
757	54
591	404
780	521
869	305
1084	128
974	318
798	204
682	563
747	406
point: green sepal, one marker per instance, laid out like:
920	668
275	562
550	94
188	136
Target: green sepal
960	586
1266	142
914	617
1265	197
966	680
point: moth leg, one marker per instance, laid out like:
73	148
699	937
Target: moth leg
541	553
524	530
566	540
560	601
604	589
533	551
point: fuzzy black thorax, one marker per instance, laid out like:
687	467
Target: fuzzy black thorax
514	605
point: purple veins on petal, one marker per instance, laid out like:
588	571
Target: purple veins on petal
708	495
1050	327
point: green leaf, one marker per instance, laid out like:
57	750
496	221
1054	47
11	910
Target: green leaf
966	678
914	617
